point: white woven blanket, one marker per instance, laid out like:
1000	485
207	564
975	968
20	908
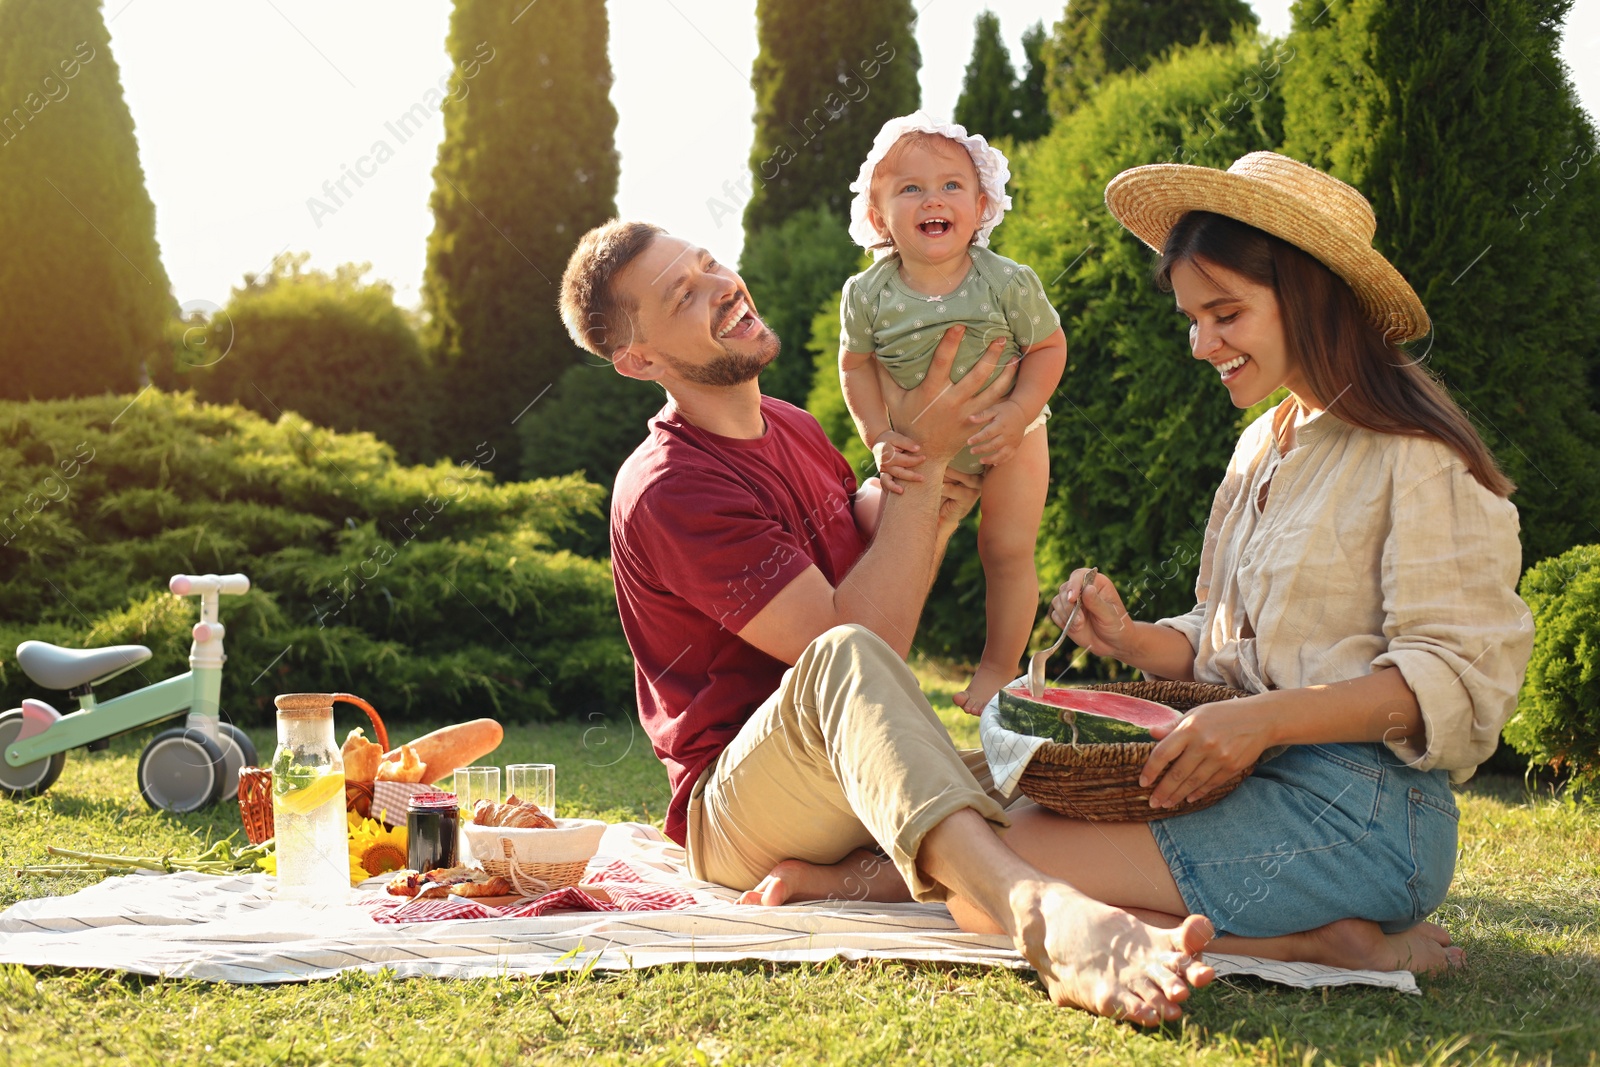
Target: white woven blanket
232	930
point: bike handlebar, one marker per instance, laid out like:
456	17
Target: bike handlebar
201	584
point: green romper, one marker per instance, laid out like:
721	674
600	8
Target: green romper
879	314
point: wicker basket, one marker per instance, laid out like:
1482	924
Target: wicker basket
537	861
1101	782
255	783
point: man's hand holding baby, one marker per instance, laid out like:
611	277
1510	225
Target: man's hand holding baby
935	414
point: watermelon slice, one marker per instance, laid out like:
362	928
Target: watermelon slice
1101	717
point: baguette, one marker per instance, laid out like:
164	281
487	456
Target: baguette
451	747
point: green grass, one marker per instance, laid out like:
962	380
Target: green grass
1525	905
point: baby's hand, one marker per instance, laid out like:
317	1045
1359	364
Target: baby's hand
897	457
1000	439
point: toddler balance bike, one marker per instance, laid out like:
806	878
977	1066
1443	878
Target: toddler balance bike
182	769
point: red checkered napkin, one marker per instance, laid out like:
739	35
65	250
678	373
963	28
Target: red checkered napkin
390	800
622	883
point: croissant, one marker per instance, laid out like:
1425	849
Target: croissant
361	757
408	768
514	813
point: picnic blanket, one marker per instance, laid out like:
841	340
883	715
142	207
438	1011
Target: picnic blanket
231	929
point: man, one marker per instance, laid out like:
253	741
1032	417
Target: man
770	631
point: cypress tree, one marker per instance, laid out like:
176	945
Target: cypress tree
528	165
827	77
828	74
1032	102
1099	37
1463	129
86	297
988	103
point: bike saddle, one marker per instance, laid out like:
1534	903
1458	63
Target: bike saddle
55	667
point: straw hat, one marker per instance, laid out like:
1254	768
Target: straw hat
1313	211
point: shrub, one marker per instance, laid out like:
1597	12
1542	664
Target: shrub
1140	432
1558	712
826	399
790	269
1096	39
430	590
589	424
331	347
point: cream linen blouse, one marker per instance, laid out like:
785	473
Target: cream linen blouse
1373	550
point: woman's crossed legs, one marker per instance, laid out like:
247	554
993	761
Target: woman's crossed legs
1117	863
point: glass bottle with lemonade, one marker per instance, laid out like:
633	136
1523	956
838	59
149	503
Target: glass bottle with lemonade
308	802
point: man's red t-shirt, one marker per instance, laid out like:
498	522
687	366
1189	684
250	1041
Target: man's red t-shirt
705	530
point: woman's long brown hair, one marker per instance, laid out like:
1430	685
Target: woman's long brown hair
1345	358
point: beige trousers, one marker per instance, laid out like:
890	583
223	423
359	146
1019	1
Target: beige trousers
847	753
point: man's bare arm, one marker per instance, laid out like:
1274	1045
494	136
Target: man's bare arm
888	586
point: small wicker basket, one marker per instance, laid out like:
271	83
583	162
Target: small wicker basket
255	783
1100	782
537	861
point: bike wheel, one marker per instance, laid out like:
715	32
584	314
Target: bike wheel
30	779
180	771
237	752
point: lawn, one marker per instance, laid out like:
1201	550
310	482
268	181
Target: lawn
1525	905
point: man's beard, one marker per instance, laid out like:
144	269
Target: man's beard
729	368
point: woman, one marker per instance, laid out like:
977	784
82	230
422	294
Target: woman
1357	578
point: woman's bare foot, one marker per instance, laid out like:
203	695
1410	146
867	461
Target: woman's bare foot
1102	959
862	875
984	685
1361	945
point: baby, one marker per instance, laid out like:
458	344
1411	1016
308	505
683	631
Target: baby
926	200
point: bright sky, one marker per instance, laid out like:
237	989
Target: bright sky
244	110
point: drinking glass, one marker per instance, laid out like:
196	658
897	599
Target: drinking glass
535	782
473	784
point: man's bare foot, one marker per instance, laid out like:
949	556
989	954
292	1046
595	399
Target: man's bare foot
1096	957
862	875
1361	945
984	685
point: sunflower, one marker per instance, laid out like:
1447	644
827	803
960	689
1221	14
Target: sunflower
374	848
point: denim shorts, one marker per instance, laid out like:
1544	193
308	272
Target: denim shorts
1320	833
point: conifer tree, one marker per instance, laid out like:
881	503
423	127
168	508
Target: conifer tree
1099	37
1481	167
528	165
86	299
988	99
1032	101
828	75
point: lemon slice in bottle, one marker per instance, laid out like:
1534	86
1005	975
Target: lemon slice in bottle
311	797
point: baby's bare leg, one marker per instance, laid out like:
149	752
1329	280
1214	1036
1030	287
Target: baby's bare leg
1012	507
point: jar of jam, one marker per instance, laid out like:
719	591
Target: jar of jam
432	829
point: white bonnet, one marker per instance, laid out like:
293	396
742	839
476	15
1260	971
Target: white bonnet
993	173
